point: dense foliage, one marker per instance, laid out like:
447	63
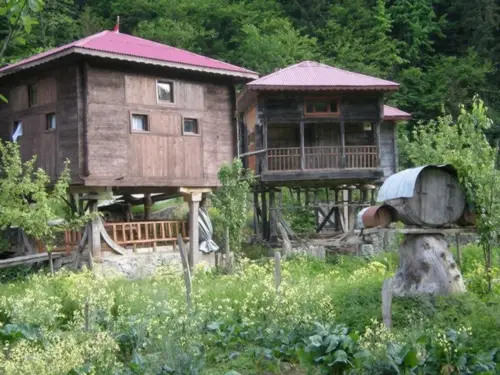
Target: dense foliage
461	142
326	318
441	51
30	199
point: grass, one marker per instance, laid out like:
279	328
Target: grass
239	322
158	206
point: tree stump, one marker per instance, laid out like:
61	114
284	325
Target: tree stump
426	266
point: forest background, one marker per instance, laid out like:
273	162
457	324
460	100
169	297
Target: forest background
442	52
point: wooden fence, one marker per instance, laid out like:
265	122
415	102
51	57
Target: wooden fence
135	234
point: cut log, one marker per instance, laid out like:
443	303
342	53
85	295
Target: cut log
426	266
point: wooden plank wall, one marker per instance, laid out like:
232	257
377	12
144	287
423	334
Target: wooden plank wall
388	154
56	93
162	156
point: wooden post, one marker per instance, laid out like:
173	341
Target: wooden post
265	224
264	144
459	251
147	206
387	303
302	147
342	144
273	236
256	209
277	270
377	141
95	231
194	252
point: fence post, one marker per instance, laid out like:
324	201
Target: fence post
277	270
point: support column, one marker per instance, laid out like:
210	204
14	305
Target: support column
377	142
273	236
194	255
342	144
265	224
302	147
148	202
95	231
256	221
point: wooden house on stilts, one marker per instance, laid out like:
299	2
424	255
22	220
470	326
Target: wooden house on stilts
311	126
133	117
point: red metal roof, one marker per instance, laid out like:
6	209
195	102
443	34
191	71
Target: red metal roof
311	75
116	45
391	113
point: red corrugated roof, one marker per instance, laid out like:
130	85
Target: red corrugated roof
391	113
311	75
114	43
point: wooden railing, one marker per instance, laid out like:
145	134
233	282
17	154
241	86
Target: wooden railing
360	157
322	157
148	233
329	157
283	159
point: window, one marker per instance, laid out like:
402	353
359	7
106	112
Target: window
165	90
32	95
50	123
191	126
140	123
321	107
17	130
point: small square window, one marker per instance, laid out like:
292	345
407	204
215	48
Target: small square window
17	130
140	123
50	121
32	95
191	126
165	91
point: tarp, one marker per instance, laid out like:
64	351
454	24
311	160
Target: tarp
205	233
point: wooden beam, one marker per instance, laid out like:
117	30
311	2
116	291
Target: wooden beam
302	147
273	236
27	259
421	230
265	223
326	219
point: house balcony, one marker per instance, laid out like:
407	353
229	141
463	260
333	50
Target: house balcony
346	164
321	157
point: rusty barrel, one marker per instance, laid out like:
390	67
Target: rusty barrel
375	216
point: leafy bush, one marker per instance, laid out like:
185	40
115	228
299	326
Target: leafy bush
325	318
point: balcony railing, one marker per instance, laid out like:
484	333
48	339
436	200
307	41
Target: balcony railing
322	157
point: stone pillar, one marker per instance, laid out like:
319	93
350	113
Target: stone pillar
194	255
95	233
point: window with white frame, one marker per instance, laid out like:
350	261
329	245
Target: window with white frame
50	121
190	126
140	122
165	91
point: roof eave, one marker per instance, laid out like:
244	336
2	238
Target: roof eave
398	118
394	87
89	52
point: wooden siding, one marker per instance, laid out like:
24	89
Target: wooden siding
288	107
56	94
388	154
162	155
